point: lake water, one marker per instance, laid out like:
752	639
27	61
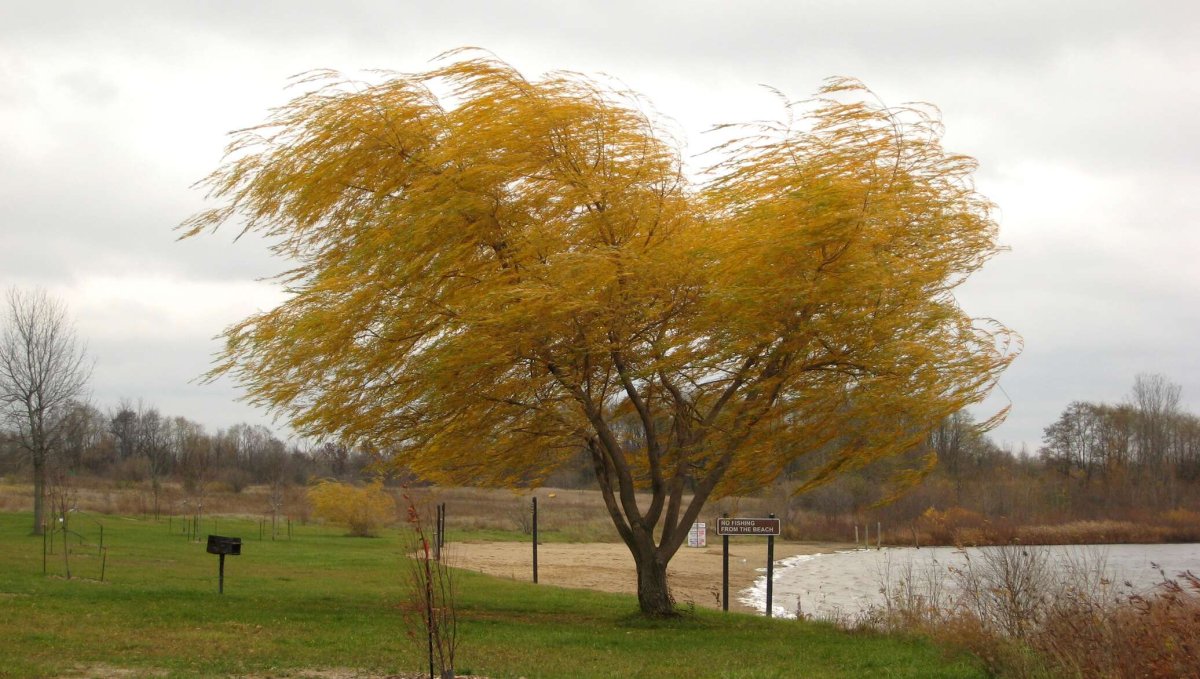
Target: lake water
844	584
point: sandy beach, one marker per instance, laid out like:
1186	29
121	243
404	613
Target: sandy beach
695	572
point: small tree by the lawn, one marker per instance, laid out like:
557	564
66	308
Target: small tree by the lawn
431	607
62	496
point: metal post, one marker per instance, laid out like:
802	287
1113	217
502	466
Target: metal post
103	562
535	578
221	577
770	568
429	611
725	569
437	532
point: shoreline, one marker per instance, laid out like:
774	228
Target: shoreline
844	585
694	573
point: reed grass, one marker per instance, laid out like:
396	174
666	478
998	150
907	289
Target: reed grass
1028	616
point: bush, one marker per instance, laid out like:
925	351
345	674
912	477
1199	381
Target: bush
1027	615
1151	635
236	479
951	526
1181	525
363	509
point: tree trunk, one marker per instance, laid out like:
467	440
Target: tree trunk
654	595
39	494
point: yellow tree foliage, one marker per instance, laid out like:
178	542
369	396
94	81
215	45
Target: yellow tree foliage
364	509
486	281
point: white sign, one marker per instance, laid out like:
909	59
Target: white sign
698	535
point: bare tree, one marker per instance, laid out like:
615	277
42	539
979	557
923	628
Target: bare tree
193	452
955	441
83	437
1157	401
43	368
153	443
123	426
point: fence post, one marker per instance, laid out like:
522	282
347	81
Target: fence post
535	573
770	568
437	532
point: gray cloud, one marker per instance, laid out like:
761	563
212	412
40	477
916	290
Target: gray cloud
1079	112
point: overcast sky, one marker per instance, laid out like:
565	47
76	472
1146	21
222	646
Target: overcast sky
1082	115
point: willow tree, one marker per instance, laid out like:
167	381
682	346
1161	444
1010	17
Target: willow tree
488	280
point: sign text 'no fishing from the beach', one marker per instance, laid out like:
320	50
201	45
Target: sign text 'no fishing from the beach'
768	528
743	526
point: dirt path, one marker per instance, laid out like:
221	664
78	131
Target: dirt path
694	573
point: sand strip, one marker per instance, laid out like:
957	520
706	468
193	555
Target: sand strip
694	573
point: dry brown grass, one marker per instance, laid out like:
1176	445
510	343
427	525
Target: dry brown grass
957	526
1025	616
1134	635
1090	532
567	515
580	515
563	515
15	497
104	496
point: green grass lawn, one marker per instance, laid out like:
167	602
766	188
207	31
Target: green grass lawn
324	601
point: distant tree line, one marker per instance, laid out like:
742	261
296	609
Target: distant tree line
1142	453
1133	460
136	443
